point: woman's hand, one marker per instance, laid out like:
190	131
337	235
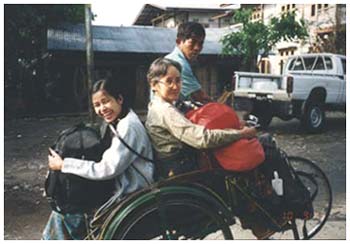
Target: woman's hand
248	132
55	160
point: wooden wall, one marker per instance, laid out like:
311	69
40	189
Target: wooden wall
212	71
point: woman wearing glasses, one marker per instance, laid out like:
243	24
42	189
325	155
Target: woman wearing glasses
173	136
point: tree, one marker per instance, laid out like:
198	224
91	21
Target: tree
25	31
256	38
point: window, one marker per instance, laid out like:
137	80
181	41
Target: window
264	66
287	7
325	6
343	62
309	62
319	65
313	8
329	63
319	6
256	15
286	51
296	64
291	64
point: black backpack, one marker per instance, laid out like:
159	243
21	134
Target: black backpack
68	193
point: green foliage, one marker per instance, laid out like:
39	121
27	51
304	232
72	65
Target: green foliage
287	28
257	38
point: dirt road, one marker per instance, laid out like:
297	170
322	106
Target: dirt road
25	167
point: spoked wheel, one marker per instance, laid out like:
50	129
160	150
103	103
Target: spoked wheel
174	219
317	183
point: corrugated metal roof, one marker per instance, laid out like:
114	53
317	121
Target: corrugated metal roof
147	13
133	39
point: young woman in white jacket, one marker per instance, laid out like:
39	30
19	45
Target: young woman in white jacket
129	170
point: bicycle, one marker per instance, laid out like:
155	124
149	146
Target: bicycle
211	198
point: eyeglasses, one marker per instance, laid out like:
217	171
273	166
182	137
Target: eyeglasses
171	82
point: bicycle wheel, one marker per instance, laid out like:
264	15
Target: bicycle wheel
174	219
317	183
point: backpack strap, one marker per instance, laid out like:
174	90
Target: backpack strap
157	163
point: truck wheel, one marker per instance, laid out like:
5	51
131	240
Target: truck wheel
313	119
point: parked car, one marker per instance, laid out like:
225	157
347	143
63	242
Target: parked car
310	85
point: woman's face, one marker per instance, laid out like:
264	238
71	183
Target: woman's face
169	86
106	106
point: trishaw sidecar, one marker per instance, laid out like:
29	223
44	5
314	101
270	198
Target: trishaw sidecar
205	204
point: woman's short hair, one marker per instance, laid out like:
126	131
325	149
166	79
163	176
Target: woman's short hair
159	69
188	30
114	89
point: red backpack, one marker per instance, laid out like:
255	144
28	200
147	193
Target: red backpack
241	155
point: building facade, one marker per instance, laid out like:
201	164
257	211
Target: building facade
210	16
325	23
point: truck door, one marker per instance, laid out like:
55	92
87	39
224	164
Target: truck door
343	86
333	82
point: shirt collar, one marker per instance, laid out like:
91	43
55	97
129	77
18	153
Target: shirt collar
160	100
180	53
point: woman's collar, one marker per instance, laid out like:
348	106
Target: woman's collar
159	99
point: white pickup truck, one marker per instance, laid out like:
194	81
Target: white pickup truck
310	85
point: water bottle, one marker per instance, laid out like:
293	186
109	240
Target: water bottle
277	184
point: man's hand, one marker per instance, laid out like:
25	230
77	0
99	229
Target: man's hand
248	132
55	160
201	96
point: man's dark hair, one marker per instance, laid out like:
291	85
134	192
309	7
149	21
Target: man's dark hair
190	29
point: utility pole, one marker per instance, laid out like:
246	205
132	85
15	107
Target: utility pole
89	59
